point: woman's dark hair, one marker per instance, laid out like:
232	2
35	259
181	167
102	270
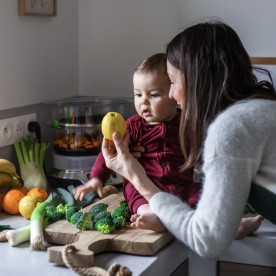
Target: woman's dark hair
217	72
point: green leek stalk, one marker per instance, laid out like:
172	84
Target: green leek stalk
37	223
18	236
21	235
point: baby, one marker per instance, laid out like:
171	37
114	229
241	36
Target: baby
156	128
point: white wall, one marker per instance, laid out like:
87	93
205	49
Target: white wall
114	36
93	46
38	55
253	20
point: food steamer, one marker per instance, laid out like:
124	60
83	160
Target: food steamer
77	137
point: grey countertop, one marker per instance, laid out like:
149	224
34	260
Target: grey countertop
258	249
21	260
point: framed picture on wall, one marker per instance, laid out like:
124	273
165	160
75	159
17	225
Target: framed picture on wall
263	60
37	7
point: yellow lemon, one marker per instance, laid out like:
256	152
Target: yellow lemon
27	204
113	122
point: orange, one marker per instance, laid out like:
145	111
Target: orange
1	200
10	203
23	189
27	204
39	192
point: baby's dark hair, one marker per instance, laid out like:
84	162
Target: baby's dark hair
155	64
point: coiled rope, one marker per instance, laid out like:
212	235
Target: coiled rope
114	270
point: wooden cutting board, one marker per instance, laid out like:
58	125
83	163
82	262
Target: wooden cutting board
89	243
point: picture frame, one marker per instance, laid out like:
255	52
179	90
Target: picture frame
37	7
263	60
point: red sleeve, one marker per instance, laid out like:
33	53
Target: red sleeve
99	169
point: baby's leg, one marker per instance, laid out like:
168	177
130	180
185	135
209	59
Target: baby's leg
248	226
146	219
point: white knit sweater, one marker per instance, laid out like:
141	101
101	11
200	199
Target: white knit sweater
240	148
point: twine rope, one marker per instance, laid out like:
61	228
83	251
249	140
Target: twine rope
114	269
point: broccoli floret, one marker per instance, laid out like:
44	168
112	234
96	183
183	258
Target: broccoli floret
71	211
119	222
105	225
123	203
97	208
102	214
122	211
74	218
62	209
84	222
53	213
50	209
5	227
55	217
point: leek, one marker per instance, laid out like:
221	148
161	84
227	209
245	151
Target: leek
18	236
21	235
38	221
31	157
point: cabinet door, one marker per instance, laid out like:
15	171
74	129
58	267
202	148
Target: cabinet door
230	269
182	270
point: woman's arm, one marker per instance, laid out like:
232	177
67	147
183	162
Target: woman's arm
210	228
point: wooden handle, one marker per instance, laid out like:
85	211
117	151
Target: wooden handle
263	60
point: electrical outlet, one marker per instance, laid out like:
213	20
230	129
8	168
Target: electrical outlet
15	128
6	132
19	129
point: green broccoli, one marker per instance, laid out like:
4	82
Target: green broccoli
102	214
55	217
119	222
74	218
71	211
95	209
84	222
122	211
54	214
5	227
123	203
105	225
62	208
50	209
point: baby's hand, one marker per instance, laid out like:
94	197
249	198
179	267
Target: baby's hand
137	150
92	185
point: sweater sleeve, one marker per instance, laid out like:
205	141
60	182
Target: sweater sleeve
231	160
99	169
210	228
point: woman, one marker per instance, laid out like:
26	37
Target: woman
228	121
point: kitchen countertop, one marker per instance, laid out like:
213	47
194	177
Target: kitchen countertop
20	260
258	249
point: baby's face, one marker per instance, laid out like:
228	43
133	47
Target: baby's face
151	97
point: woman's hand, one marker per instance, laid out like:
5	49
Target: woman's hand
119	159
117	155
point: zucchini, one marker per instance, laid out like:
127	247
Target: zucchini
67	196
